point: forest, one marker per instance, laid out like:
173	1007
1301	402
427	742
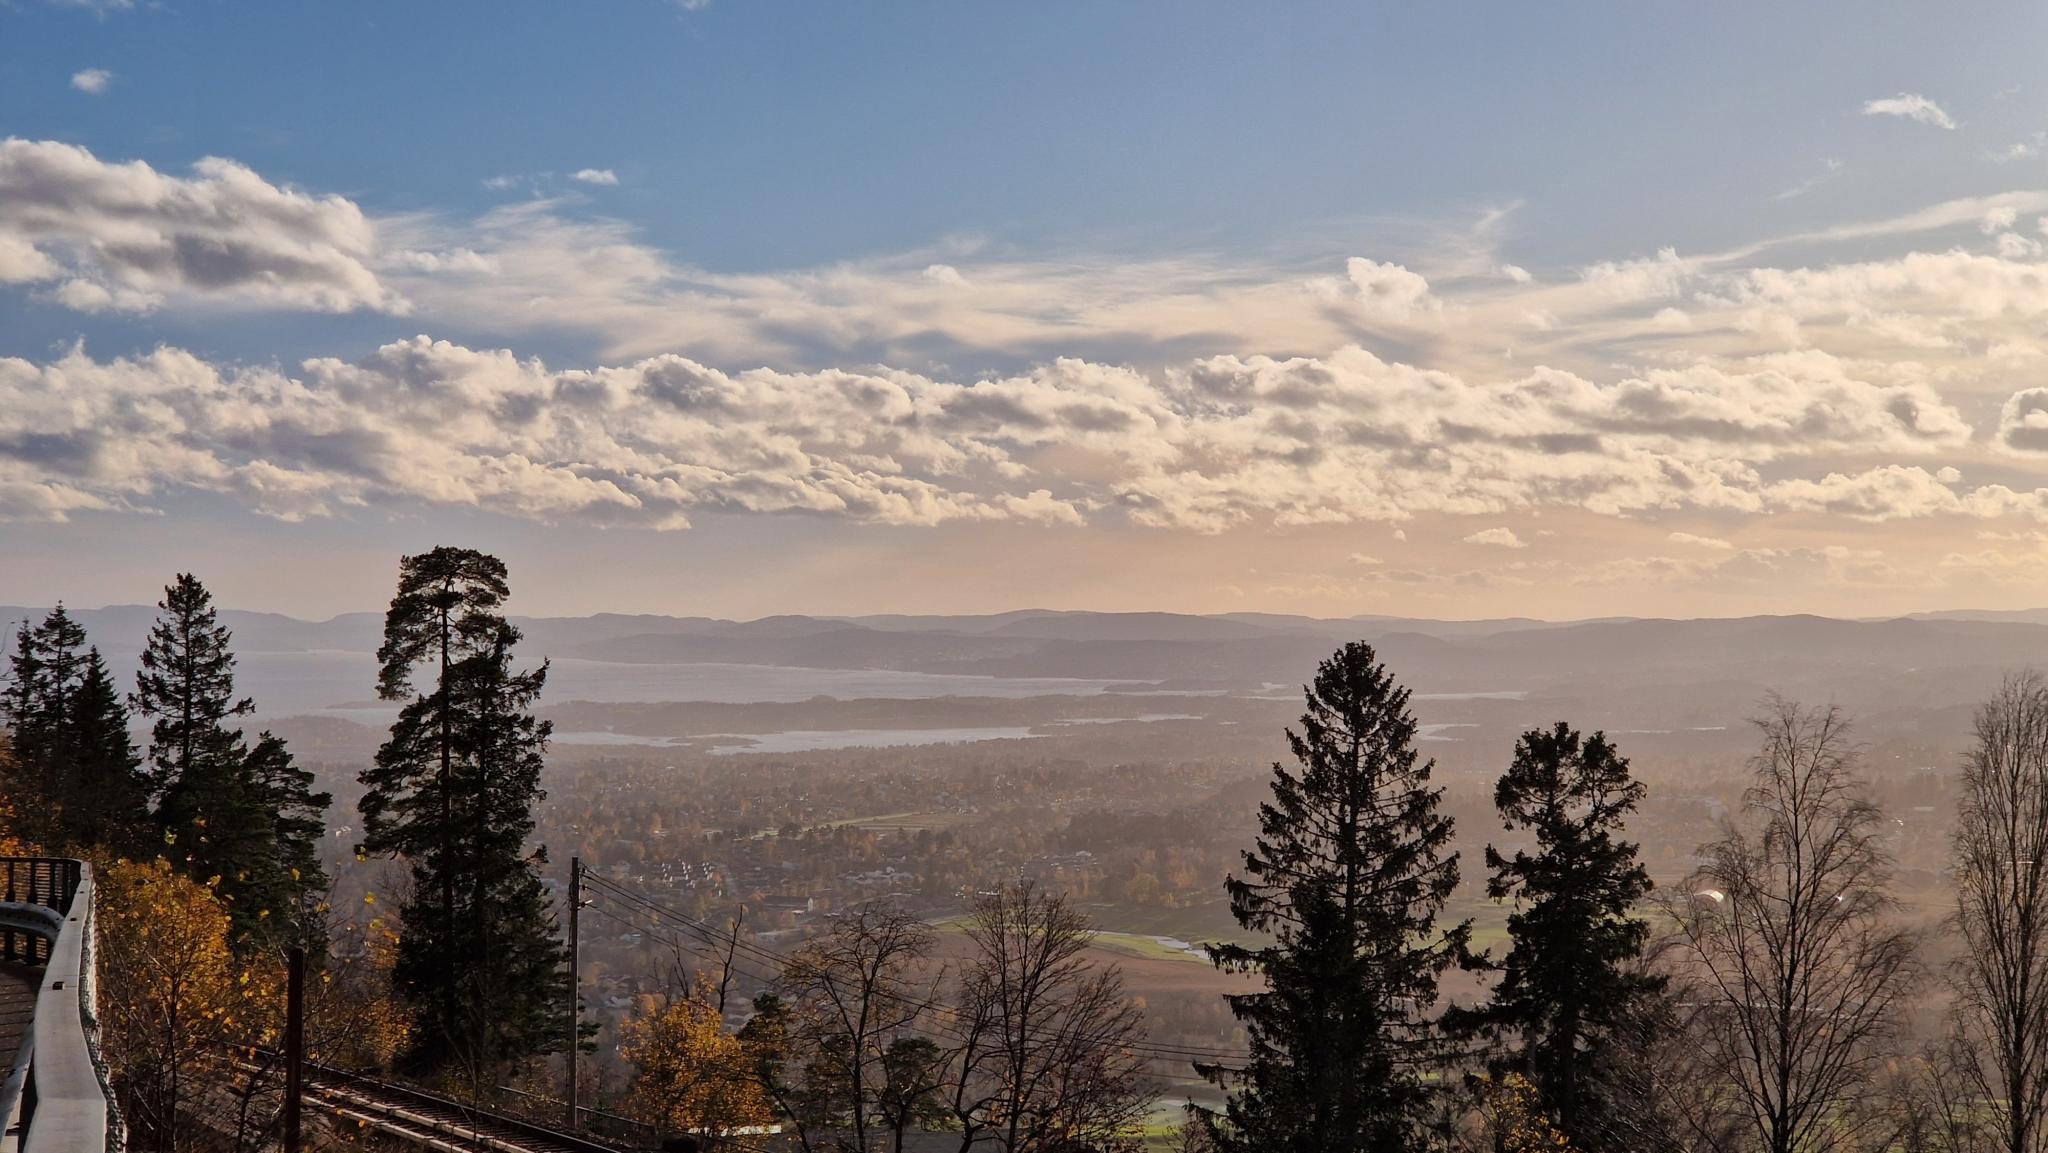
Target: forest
830	983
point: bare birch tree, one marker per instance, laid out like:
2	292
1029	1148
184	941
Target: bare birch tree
1047	1058
857	990
1787	933
2001	857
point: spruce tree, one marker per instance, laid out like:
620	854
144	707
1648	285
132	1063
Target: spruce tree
1351	868
452	791
47	672
1569	983
107	805
187	685
75	773
214	821
24	681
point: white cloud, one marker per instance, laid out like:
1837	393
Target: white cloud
1706	542
92	81
2023	423
1385	291
595	176
124	236
1497	538
1632	280
1910	106
1202	446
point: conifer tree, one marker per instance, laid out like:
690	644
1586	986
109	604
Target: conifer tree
1352	867
46	674
452	791
107	805
76	771
187	685
298	821
1570	981
24	678
216	822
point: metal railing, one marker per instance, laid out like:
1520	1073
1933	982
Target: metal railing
56	1098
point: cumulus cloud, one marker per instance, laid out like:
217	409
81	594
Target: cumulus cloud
595	176
125	237
1388	290
92	81
1910	106
2023	422
1497	538
1656	278
1204	445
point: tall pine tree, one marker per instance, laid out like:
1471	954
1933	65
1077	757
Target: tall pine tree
216	818
1352	867
1570	982
452	791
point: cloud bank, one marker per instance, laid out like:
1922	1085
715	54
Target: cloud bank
1203	446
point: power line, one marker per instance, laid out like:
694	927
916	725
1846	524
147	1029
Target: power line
672	942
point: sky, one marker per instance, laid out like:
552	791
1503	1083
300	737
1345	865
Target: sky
742	307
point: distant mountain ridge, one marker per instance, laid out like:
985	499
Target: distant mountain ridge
1228	652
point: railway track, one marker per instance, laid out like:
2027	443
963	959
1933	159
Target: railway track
434	1122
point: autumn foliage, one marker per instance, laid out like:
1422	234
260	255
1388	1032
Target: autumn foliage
694	1077
173	997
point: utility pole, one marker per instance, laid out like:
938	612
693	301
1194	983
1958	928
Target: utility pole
294	1044
575	1000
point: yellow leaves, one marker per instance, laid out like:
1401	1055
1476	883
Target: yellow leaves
165	959
369	898
170	838
1520	1119
693	1074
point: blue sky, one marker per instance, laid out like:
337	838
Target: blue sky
1035	228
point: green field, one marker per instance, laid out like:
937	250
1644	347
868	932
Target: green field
1136	945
